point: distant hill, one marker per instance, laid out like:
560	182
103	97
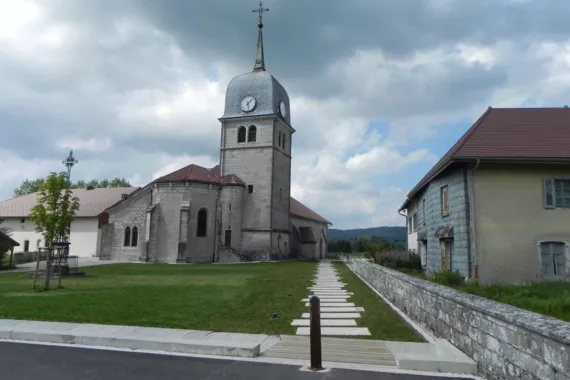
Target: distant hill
388	233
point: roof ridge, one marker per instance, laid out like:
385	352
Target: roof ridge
459	144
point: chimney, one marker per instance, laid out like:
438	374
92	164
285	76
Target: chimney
124	196
89	187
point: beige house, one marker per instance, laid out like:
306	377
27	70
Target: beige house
497	205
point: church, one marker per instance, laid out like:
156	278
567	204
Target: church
239	210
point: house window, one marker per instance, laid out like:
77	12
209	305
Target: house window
26	245
556	193
202	223
241	134
127	240
444	201
250	189
228	238
424	211
22	220
552	258
410	224
135	237
415	221
252	133
38	242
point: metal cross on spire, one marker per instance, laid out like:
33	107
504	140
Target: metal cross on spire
260	58
69	162
260	10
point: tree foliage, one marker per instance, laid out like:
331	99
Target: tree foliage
55	208
374	243
28	187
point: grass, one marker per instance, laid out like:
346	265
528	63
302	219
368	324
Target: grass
382	321
230	298
551	299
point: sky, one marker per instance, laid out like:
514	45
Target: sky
379	89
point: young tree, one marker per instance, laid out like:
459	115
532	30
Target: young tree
54	212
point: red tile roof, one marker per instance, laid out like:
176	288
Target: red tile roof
509	134
300	210
195	173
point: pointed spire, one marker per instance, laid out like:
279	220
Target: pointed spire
260	58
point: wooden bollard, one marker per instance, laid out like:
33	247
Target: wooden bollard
315	337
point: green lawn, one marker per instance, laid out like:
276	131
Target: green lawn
382	321
231	298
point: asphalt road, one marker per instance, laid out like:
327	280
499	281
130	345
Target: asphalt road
27	361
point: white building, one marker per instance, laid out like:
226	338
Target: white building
84	228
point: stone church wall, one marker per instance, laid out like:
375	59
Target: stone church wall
132	213
171	198
281	190
231	203
312	251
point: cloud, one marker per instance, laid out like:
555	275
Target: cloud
379	90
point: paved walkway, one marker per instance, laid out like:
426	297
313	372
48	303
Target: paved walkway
337	313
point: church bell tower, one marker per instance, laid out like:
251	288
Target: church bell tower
256	147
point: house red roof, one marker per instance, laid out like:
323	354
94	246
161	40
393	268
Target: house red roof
195	173
300	210
509	134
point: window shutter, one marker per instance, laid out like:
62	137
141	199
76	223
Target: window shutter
548	193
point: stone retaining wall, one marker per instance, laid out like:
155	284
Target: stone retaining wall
506	342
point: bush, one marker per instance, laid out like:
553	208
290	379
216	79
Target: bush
399	259
448	278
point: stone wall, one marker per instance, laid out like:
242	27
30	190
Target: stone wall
506	342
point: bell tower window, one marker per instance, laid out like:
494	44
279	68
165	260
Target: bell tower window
241	134
252	133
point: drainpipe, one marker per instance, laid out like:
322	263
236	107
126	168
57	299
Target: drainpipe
471	236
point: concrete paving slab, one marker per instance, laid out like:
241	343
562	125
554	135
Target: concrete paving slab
333	304
326	299
325	323
336	331
341	309
334	315
332	293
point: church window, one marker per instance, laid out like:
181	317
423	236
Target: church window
250	189
252	133
127	241
280	193
228	238
279	138
230	206
283	141
202	223
241	134
135	237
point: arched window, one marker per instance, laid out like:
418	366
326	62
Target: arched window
127	241
279	243
135	237
252	133
279	138
241	134
202	223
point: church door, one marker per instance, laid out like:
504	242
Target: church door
228	239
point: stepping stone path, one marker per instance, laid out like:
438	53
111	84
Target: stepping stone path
337	313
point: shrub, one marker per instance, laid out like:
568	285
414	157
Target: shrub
399	259
448	278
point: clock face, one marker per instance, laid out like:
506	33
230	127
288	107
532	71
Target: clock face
283	109
248	104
